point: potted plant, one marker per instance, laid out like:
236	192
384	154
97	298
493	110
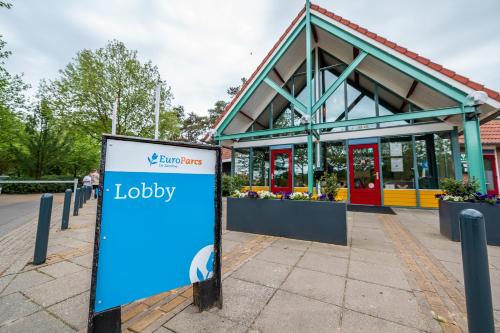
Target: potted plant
457	196
294	215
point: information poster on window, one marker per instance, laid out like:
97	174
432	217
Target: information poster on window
397	164
396	149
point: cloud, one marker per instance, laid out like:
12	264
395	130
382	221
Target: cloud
202	47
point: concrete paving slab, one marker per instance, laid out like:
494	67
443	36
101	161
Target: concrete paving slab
318	285
267	273
238	236
330	249
26	280
228	245
288	312
39	322
376	257
323	263
85	260
61	269
355	322
293	244
243	300
15	306
280	255
163	330
388	276
4	281
60	289
73	311
388	303
192	321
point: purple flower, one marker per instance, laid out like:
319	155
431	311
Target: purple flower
252	195
438	196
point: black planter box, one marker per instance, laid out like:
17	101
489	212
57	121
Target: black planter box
449	219
319	221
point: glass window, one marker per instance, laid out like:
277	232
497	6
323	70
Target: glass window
281	167
242	164
444	158
359	106
397	163
300	166
260	175
336	162
335	104
363	166
284	119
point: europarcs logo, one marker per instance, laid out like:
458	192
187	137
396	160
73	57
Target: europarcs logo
165	161
202	265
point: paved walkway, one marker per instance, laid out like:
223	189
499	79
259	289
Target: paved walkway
397	275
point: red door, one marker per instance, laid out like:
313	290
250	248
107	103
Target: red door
364	174
490	171
281	170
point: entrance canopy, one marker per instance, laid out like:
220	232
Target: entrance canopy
405	77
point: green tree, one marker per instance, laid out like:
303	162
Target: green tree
89	86
194	127
12	103
42	145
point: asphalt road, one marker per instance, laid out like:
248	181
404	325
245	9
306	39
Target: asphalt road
16	210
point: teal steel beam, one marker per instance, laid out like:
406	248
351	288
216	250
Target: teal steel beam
474	150
285	94
394	117
345	74
310	146
258	80
353	122
233	160
415	169
455	154
262	133
392	60
250	167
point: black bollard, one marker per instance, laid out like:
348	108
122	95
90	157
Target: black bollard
66	207
80	202
76	205
476	272
85	194
88	192
42	231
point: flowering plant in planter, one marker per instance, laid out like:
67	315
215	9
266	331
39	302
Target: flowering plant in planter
462	191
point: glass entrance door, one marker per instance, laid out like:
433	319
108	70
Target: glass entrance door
364	172
281	170
490	172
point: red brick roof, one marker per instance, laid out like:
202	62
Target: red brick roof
412	55
490	133
226	153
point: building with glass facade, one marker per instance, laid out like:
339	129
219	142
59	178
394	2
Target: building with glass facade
333	97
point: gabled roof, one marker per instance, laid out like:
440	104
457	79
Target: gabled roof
378	40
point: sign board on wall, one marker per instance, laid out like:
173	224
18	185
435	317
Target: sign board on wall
397	164
158	219
396	149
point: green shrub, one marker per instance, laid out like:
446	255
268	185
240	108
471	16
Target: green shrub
232	183
458	188
329	185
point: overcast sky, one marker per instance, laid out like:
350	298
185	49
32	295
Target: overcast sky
202	47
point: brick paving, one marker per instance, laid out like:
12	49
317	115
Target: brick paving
396	275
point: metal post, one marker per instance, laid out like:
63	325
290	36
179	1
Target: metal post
416	176
455	154
42	231
113	117
76	204
75	186
80	198
66	206
473	149
157	109
476	272
310	146
85	193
